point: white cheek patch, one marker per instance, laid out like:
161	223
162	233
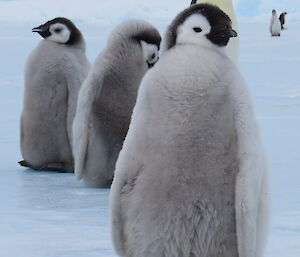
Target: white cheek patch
59	33
150	52
186	33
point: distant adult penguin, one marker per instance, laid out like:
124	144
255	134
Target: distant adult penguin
227	7
275	26
107	97
191	179
54	73
282	19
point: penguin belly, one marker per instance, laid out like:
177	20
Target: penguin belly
276	28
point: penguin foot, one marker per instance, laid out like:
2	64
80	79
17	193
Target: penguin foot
24	163
58	167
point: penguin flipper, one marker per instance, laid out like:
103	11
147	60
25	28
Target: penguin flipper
263	218
74	83
126	175
251	181
117	222
24	163
81	124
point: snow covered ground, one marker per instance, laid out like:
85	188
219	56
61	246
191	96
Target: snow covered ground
46	214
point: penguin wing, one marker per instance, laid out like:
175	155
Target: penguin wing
129	167
251	191
81	124
77	73
126	174
116	211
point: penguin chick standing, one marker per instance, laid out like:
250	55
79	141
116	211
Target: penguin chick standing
227	7
54	73
107	97
282	20
275	26
190	179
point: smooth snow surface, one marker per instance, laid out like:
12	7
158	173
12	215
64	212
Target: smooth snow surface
46	214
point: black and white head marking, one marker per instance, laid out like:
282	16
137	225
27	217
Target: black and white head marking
200	24
59	30
150	43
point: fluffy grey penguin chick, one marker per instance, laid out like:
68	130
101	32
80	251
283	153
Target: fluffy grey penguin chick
107	97
54	73
275	25
190	180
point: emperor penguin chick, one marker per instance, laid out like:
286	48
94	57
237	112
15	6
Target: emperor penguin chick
54	73
107	97
275	25
190	180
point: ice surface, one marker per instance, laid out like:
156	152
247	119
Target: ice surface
46	214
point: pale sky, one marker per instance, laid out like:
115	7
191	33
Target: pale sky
105	11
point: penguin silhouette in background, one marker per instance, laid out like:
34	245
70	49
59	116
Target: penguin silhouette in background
227	7
54	73
282	20
275	26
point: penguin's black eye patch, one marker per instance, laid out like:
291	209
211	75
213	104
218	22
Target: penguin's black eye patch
57	30
197	29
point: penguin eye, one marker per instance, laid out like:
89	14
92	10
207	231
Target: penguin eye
197	29
152	56
57	30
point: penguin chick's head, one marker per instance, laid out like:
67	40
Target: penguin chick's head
137	33
150	52
200	24
274	12
59	30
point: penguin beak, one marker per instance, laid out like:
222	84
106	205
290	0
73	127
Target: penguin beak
230	33
150	65
40	29
43	30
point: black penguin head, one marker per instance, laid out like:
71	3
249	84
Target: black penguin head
149	39
135	39
200	24
59	30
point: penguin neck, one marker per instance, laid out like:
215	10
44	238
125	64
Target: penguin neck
80	45
76	40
